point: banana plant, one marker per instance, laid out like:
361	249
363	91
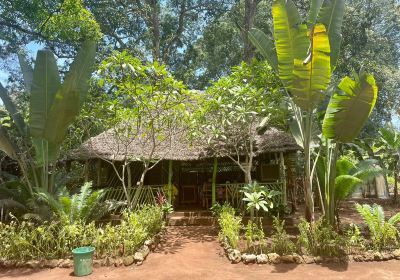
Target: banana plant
53	107
303	55
349	108
349	176
389	147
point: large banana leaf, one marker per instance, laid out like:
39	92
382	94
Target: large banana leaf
6	145
390	137
12	110
46	82
265	45
291	39
350	107
27	72
45	151
345	185
71	95
311	77
314	10
331	15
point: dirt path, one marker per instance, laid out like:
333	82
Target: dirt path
194	253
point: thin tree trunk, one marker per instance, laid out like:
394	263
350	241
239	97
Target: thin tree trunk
309	210
250	9
155	28
395	191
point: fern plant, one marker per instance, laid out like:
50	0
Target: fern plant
383	233
86	205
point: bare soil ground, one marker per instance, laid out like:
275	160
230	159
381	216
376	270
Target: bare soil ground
194	253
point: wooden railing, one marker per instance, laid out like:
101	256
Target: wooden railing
148	194
229	192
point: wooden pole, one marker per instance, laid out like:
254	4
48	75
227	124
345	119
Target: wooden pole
214	177
282	176
86	172
170	173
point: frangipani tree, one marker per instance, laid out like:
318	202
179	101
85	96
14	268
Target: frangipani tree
233	110
302	56
146	109
53	107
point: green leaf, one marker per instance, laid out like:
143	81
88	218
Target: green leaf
345	185
6	144
314	10
331	15
46	82
71	95
291	39
265	45
27	72
45	151
350	107
312	76
12	110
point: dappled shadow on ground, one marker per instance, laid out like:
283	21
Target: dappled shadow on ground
21	272
283	268
177	237
336	266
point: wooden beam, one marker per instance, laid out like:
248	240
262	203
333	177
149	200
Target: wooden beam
214	177
170	173
282	175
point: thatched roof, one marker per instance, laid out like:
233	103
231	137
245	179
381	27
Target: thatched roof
107	146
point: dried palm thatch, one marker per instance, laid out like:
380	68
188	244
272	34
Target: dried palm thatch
108	146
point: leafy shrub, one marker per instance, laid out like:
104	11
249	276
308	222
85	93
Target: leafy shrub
281	243
383	234
230	225
354	239
255	237
319	239
55	240
258	197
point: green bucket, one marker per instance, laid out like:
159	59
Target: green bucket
83	260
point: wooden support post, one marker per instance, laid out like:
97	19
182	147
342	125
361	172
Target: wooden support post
214	177
129	173
170	173
86	170
282	175
98	172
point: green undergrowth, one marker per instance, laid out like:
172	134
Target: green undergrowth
317	239
22	241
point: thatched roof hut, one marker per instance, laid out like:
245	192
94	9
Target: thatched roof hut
107	146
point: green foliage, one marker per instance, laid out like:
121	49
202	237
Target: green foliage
319	239
280	240
383	233
255	238
355	242
56	239
230	225
72	22
353	100
53	107
258	197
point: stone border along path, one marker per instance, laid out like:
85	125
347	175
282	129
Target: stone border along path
193	252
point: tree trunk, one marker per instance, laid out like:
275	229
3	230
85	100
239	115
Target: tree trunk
250	9
214	177
395	191
155	28
170	174
308	193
